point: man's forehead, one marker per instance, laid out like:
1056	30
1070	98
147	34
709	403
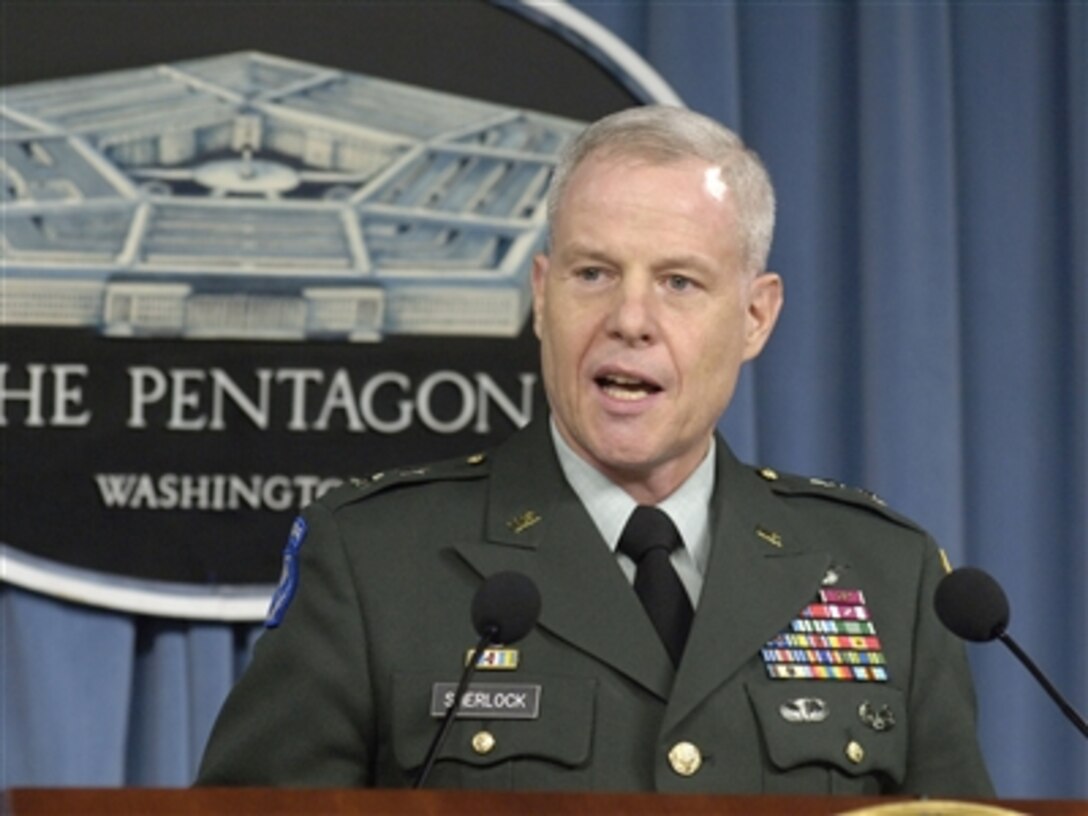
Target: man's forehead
619	163
617	171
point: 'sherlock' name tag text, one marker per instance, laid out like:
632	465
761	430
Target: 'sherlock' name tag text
496	701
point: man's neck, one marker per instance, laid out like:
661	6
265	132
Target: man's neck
651	485
654	486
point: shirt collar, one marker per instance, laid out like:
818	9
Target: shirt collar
610	506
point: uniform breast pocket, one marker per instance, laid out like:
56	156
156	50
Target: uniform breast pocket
519	731
831	736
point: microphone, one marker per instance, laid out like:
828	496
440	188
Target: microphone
504	610
973	606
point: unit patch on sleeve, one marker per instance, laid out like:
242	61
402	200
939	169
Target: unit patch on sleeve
288	584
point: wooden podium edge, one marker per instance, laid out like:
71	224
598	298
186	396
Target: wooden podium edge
288	801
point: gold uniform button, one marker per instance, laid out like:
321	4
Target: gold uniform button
854	752
476	459
770	474
483	742
685	758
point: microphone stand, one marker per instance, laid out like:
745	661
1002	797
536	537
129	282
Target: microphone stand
447	722
1055	695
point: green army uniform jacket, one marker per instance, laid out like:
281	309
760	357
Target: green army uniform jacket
340	694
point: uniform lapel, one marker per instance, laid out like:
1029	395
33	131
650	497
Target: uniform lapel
760	574
537	525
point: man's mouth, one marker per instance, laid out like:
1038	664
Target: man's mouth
623	387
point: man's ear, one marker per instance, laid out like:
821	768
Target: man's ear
540	269
765	299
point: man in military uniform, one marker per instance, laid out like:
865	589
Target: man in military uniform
813	662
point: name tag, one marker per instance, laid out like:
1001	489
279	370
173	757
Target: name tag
495	701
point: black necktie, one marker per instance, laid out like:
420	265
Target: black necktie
647	540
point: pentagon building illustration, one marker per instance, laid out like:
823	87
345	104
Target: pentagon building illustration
251	196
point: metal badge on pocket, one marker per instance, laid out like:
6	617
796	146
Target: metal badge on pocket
804	710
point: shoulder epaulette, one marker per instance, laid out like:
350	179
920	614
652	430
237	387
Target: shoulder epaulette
787	484
356	489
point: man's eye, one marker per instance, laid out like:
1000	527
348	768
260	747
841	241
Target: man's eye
678	283
589	274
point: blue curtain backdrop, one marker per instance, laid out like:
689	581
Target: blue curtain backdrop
932	166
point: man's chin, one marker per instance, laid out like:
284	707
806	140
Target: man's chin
627	462
621	450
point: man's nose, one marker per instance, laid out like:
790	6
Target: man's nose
633	318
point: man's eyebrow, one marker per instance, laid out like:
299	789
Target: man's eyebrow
586	251
684	261
583	251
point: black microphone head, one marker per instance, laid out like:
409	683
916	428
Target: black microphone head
972	604
509	604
